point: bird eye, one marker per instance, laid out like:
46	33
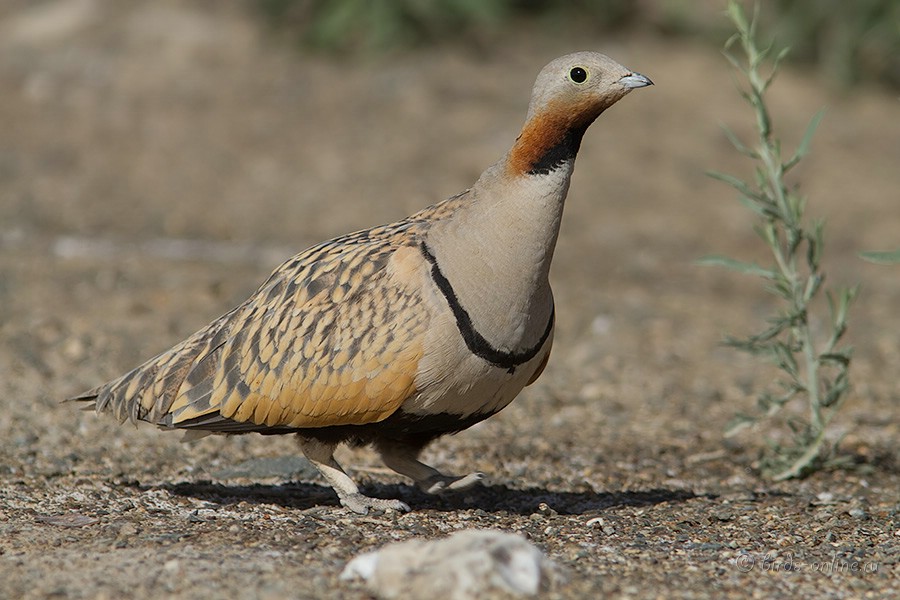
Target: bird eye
578	75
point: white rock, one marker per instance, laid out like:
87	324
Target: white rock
467	564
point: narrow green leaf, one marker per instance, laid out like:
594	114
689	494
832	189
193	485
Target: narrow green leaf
736	64
846	297
814	242
726	48
770	234
785	359
771	404
794	238
737	143
762	182
782	54
834	392
763	121
736	183
838	314
735	265
760	339
751	346
803	148
776	65
751	30
781	288
839	358
882	258
813	283
736	14
761	57
758	205
737	424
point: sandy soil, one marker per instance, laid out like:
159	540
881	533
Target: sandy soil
157	159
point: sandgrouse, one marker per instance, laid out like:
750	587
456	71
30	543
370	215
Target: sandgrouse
395	335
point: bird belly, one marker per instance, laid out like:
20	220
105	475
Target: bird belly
472	387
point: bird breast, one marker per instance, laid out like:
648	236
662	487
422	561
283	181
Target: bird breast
457	375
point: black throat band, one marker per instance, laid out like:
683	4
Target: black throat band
558	154
476	342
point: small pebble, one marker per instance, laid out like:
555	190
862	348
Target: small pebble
171	566
73	349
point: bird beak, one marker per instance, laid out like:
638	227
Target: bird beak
635	80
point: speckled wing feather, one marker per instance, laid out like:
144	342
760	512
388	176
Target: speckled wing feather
333	337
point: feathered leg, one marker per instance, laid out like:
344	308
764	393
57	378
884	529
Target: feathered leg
321	455
403	458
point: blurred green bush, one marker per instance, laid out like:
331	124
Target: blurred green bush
850	41
847	40
379	25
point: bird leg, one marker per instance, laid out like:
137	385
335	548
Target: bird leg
404	460
321	455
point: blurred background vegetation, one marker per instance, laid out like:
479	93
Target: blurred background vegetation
847	41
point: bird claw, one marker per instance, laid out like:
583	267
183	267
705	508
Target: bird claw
443	483
361	504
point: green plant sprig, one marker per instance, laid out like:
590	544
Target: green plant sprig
882	258
815	369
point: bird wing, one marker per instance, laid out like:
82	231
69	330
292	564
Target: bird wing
333	337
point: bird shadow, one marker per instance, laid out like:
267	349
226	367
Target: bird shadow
498	499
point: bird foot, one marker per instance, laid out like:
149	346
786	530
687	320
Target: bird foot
361	504
440	484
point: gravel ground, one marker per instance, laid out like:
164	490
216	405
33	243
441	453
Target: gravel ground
158	159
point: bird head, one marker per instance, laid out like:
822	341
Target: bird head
581	86
569	94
